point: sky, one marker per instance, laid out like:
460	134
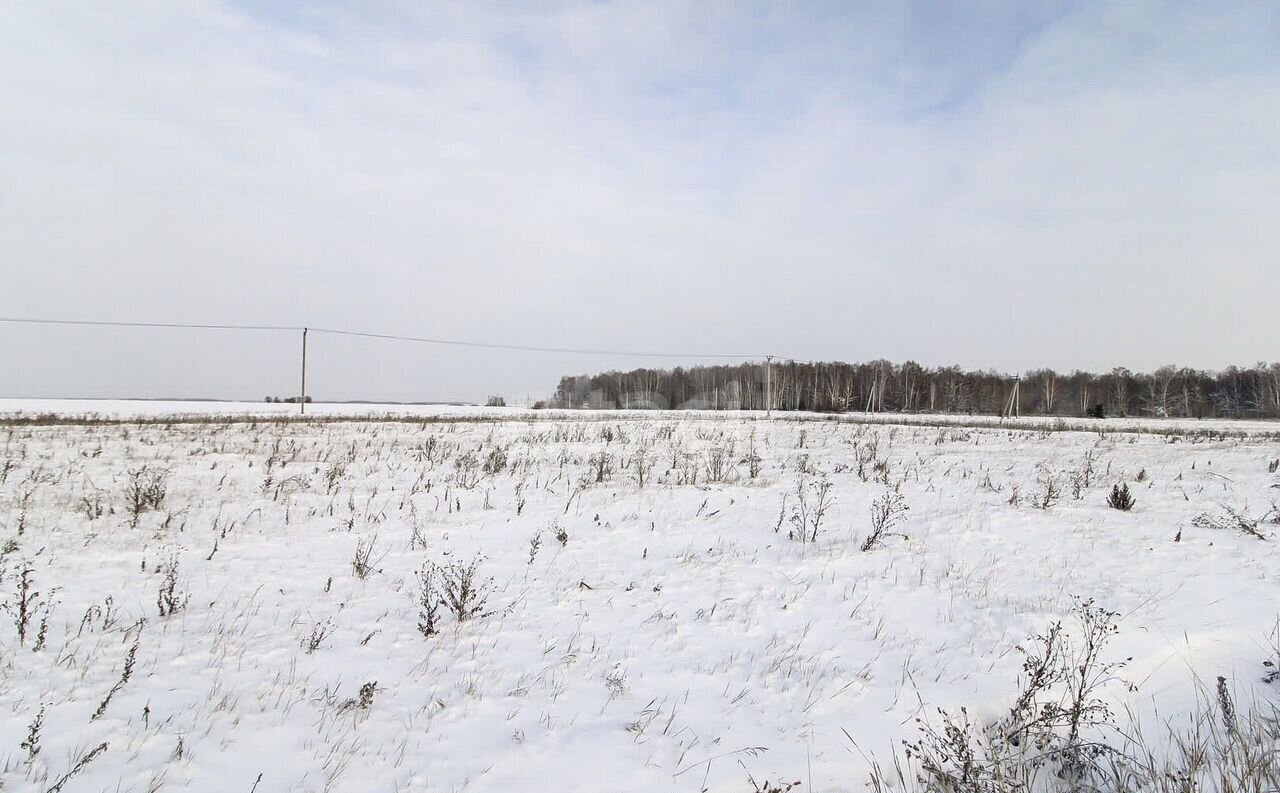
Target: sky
1003	185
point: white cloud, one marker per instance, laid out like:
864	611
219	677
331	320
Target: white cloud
1093	189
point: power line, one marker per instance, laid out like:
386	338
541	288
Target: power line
526	348
382	336
115	324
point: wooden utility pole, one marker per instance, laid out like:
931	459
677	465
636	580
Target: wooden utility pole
768	386
302	399
1012	407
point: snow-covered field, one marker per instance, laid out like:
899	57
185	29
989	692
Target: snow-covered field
653	622
125	409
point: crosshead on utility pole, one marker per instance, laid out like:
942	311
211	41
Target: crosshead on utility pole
768	386
302	398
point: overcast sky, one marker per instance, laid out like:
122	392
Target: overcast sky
993	184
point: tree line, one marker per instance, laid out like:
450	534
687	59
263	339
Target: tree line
883	386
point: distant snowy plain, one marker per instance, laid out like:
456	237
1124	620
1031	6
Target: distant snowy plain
664	635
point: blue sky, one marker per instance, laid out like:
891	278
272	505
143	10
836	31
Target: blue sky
1004	185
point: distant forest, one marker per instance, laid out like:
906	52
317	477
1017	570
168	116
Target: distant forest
882	386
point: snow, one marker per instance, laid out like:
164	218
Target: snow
674	641
120	409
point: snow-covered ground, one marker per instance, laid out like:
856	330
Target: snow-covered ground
116	409
637	637
142	408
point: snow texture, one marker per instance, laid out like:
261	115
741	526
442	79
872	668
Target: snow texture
669	636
